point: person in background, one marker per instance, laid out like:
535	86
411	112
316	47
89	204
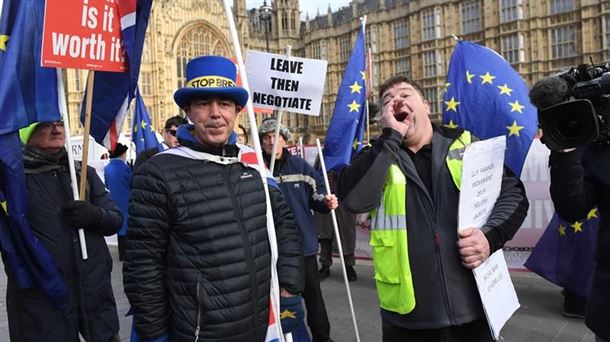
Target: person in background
303	188
169	139
326	233
55	218
242	135
117	176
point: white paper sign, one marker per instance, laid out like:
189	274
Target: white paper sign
482	167
286	83
497	292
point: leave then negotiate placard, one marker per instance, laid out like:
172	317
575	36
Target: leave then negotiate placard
82	34
286	83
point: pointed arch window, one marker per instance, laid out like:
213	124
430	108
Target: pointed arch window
197	41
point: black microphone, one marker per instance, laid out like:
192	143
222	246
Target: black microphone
548	91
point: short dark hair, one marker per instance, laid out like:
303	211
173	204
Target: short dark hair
175	121
245	132
394	80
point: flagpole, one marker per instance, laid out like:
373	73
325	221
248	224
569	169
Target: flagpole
64	112
300	148
275	285
85	158
338	239
278	122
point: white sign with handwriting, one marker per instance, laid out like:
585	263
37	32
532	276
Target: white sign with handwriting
482	168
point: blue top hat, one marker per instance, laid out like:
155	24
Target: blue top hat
210	76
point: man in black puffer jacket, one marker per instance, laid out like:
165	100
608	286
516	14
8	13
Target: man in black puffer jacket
198	259
54	217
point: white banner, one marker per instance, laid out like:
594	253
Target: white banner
280	82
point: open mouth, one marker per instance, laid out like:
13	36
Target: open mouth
400	116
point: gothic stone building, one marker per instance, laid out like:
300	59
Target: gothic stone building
411	37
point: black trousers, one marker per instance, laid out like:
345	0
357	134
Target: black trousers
317	318
477	331
326	254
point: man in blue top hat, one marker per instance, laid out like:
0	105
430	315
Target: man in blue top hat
198	259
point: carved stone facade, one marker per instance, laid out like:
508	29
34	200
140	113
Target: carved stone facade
406	37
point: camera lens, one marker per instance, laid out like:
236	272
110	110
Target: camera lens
570	125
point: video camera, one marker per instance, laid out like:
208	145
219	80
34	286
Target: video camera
574	106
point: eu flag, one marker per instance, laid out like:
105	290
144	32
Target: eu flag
28	93
113	92
346	127
564	255
143	133
486	96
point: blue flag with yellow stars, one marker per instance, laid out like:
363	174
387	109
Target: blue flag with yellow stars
486	96
28	93
143	134
564	255
346	127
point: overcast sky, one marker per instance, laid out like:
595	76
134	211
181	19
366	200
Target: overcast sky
307	6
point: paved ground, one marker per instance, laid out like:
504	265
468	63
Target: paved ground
538	320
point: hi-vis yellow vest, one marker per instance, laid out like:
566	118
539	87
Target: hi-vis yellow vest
389	241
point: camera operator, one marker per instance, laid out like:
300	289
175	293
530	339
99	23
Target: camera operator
580	180
574	112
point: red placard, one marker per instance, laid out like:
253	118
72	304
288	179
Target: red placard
82	34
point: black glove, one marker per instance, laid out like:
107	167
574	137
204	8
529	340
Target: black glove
81	214
291	313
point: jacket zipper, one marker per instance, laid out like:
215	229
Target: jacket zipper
198	329
437	242
244	235
439	254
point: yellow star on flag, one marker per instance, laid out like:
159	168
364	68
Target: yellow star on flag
451	124
355	144
504	89
287	314
577	226
487	78
363	75
143	124
3	205
562	230
452	104
446	86
514	129
355	87
592	214
469	76
3	39
516	107
354	107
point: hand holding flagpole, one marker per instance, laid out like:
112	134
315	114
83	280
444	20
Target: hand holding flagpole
338	239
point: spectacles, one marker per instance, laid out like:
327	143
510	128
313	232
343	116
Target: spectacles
171	131
51	125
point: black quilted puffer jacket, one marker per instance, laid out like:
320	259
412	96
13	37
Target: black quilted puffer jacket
198	256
